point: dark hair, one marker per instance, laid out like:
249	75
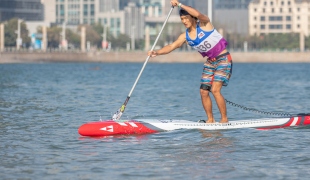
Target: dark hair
182	12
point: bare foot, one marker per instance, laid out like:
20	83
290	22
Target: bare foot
224	121
210	121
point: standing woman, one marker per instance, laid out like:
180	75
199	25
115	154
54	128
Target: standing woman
202	36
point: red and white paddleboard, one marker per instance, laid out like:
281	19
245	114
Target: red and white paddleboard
147	126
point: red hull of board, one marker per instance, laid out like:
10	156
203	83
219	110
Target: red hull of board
110	127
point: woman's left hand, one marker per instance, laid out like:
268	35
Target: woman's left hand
174	2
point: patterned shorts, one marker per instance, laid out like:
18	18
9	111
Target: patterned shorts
218	69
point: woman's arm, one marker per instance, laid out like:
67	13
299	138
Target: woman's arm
170	47
195	13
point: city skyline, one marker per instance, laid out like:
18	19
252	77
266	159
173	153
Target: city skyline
74	13
133	17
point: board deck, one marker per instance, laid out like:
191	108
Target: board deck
146	126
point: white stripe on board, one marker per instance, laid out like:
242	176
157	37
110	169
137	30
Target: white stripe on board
132	124
295	121
122	124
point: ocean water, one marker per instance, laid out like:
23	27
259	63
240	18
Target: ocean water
42	106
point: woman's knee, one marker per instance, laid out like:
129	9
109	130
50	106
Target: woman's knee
204	92
215	91
216	88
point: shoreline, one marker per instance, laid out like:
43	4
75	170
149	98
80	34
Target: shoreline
140	56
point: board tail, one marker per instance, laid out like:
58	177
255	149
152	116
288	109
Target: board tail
301	119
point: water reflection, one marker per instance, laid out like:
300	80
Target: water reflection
129	138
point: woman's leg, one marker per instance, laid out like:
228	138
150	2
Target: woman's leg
207	104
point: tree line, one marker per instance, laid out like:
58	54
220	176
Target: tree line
276	41
94	36
54	36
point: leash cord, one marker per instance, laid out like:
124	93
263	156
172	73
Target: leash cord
258	111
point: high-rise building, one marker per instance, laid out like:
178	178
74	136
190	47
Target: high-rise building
49	11
28	10
124	3
128	21
231	16
134	22
231	4
109	6
201	6
75	12
285	16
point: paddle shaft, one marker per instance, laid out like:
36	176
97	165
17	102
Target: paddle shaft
118	114
147	59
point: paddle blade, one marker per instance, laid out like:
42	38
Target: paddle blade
119	112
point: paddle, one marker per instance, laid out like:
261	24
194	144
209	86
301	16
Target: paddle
120	111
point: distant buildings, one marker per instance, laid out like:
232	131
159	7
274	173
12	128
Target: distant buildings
279	16
28	10
231	4
128	21
125	16
232	16
132	17
75	12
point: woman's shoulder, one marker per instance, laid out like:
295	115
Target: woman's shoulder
206	26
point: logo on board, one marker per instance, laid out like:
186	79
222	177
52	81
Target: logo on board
108	128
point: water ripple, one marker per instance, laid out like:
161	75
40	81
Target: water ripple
43	105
